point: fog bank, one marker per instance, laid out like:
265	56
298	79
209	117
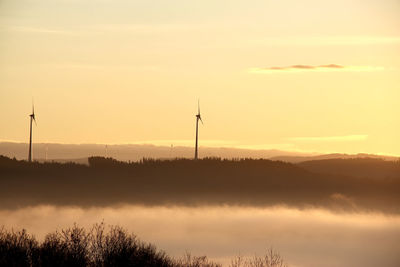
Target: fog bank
303	237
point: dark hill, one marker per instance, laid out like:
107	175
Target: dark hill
357	167
209	181
298	159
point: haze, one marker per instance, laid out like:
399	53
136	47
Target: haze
307	238
299	149
309	76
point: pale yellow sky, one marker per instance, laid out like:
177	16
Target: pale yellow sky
321	76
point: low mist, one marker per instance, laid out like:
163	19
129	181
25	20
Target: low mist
311	237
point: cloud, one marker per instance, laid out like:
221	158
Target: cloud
38	30
186	142
161	28
328	40
344	138
319	68
278	146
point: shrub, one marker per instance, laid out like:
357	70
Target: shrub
17	248
66	248
270	259
192	261
102	248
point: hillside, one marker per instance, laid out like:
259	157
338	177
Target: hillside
298	159
128	152
358	167
208	181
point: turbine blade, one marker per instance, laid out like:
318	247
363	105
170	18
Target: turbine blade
201	120
198	106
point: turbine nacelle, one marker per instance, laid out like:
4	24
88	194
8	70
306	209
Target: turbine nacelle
198	116
33	114
33	118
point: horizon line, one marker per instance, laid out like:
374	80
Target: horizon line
251	148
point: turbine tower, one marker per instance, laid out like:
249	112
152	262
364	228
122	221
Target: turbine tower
198	118
32	116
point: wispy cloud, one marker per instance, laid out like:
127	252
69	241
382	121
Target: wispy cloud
278	146
9	141
343	138
38	30
109	28
224	144
329	40
319	68
186	142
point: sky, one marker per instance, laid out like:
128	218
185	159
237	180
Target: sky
310	76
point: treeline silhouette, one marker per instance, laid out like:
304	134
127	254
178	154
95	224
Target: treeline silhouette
101	247
335	184
358	167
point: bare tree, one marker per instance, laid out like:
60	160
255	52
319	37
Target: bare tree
102	247
270	259
192	261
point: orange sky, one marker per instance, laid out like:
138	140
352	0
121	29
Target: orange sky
320	76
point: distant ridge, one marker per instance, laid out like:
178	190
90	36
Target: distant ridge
376	168
298	159
130	152
79	153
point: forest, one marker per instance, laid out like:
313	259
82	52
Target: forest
360	184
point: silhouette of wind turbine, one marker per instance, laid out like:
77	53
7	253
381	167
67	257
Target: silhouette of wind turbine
198	118
32	116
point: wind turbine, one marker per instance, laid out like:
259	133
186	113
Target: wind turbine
198	118
32	116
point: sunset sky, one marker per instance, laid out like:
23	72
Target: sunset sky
312	76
